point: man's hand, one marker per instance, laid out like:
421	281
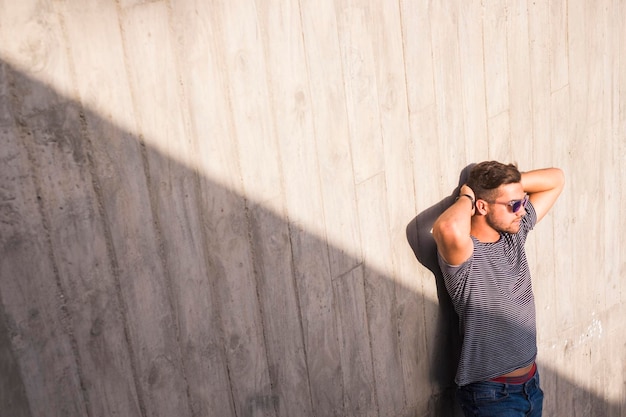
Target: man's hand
466	190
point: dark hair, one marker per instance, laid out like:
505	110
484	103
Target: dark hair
486	177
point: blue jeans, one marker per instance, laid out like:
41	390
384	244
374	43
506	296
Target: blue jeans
494	399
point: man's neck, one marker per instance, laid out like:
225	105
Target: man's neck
482	231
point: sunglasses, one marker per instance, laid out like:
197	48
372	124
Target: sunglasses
515	205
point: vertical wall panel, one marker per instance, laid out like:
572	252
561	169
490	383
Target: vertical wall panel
417	314
171	185
451	141
119	170
241	60
290	105
612	151
354	22
558	32
389	213
541	142
110	331
335	165
356	357
380	296
518	59
470	29
495	35
332	133
32	308
221	209
65	300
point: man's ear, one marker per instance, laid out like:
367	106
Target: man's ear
481	206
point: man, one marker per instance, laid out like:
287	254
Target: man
480	243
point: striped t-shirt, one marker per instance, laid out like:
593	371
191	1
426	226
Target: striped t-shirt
492	294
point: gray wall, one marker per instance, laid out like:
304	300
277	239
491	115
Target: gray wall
211	208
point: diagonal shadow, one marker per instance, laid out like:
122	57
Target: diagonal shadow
131	284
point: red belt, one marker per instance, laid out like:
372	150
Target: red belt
517	379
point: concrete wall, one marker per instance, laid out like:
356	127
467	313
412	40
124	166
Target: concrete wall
204	204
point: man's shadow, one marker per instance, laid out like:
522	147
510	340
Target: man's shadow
447	343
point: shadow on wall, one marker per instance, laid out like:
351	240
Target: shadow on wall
419	236
132	285
447	341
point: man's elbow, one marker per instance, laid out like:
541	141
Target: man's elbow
558	178
445	231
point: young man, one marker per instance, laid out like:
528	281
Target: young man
480	243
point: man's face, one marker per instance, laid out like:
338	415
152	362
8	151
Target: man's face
500	215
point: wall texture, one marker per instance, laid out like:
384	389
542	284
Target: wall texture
205	205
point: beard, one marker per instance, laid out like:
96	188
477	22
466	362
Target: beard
511	226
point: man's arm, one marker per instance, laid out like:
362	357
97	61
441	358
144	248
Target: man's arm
543	187
452	229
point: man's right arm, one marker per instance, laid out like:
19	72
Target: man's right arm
451	230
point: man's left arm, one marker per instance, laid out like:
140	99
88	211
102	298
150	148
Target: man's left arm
543	187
